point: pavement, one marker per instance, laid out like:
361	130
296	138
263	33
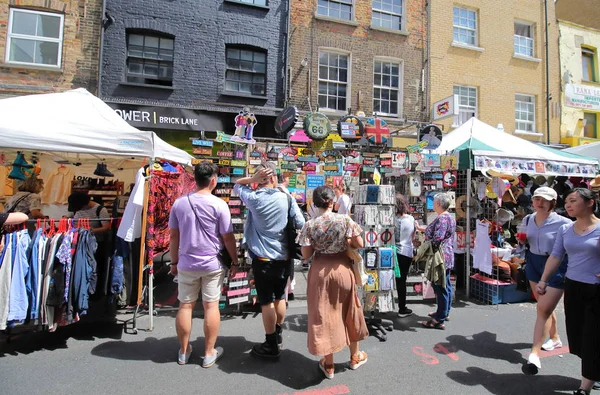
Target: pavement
482	351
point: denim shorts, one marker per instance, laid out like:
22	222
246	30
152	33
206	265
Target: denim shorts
535	268
270	279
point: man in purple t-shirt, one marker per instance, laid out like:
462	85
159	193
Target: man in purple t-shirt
200	226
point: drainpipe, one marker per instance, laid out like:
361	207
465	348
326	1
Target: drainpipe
286	75
547	75
101	54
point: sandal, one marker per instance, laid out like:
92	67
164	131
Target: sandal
432	324
328	370
358	360
432	315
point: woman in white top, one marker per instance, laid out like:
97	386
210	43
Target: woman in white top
344	203
404	234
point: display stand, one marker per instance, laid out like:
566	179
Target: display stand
374	212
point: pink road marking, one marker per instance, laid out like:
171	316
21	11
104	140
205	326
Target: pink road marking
439	348
556	351
335	390
427	359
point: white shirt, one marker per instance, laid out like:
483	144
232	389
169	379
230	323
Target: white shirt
403	233
345	204
131	224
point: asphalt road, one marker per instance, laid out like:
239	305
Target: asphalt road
482	351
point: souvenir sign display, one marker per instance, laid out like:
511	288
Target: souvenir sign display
286	120
417	147
351	128
244	127
317	125
449	162
386	258
398	159
450	179
202	143
377	131
225	138
517	166
431	160
371	258
373	281
432	135
202	151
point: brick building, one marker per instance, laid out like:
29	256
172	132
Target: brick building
491	54
199	61
364	55
48	45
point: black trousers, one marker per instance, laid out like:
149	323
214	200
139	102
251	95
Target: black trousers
582	312
404	265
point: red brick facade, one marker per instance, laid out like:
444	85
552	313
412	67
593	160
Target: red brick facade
80	49
310	33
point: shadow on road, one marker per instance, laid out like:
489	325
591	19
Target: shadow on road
486	345
513	383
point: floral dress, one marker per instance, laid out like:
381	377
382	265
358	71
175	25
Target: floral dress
441	232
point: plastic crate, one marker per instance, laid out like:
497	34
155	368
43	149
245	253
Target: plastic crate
510	294
485	292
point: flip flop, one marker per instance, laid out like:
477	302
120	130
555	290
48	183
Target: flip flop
432	314
210	361
433	325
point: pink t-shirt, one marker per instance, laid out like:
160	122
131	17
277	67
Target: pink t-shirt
198	249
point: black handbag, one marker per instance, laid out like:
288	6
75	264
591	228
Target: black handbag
294	250
223	255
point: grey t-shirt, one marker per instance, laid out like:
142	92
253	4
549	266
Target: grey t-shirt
583	251
24	202
541	238
91	214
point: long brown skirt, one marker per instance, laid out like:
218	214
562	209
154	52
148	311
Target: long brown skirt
335	315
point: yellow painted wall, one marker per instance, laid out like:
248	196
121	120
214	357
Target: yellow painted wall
493	69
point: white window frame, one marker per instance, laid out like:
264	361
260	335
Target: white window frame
348	82
525	39
402	16
524	121
462	108
475	30
345	2
10	36
400	89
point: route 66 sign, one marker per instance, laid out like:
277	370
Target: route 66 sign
317	125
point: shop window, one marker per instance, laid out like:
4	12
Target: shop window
339	9
150	59
590	130
34	38
525	113
387	14
333	80
246	71
465	26
588	64
467	104
523	39
386	88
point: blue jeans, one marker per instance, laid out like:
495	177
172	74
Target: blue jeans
443	297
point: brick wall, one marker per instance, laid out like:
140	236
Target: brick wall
493	70
201	30
81	38
309	33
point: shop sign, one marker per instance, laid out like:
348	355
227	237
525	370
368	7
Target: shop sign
445	108
202	143
239	163
202	151
224	162
582	96
461	242
286	120
314	181
317	125
255	161
158	117
398	159
432	135
225	154
385	162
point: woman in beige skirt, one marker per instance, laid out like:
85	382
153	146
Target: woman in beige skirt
335	316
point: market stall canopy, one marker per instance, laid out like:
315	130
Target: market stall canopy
76	122
489	147
591	150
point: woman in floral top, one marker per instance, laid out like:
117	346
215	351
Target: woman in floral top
335	316
441	234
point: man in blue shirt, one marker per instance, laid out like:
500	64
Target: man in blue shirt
267	240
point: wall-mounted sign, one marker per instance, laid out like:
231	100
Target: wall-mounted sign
158	117
398	159
432	135
445	108
239	163
225	154
286	120
202	151
582	96
351	128
317	125
224	162
202	143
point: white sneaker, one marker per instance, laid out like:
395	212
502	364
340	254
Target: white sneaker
550	345
182	358
533	362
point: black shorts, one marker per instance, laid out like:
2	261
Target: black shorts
270	279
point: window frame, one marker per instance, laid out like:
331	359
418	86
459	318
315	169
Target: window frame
399	89
531	27
456	118
475	30
348	78
596	125
152	34
593	56
351	3
10	36
254	50
402	16
526	121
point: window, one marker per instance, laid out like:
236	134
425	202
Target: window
149	59
253	2
34	38
467	104
591	125
333	80
588	64
525	113
246	71
523	39
465	26
386	88
388	14
340	9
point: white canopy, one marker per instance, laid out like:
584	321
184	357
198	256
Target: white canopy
592	150
77	122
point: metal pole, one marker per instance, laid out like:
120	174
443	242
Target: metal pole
101	54
468	235
547	75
